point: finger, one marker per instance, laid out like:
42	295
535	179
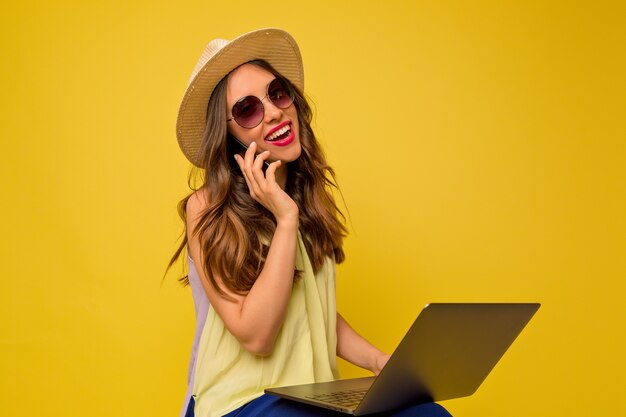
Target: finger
248	159
260	159
248	169
249	155
257	167
240	162
270	172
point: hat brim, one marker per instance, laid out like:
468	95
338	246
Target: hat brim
275	46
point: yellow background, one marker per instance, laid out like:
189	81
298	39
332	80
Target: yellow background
480	147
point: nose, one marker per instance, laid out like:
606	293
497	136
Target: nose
272	112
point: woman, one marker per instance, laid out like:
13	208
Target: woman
263	235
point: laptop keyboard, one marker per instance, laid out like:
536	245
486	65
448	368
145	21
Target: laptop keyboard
347	399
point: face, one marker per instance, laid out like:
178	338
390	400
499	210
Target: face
278	131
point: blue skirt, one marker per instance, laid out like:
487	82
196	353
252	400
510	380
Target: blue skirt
271	406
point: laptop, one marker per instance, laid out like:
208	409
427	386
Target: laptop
447	353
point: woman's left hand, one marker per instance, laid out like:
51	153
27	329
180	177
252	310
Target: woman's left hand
381	361
352	347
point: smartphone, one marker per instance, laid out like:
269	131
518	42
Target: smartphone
238	146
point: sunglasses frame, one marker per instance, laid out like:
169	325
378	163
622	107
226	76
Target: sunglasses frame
285	86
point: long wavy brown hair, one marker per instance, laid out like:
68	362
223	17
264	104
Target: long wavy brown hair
234	230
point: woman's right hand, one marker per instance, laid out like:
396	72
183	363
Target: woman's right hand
255	317
264	188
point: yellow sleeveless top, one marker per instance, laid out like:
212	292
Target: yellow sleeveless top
227	376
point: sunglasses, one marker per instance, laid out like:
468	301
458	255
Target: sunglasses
249	111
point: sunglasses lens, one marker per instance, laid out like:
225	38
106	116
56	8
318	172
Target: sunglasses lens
248	112
280	93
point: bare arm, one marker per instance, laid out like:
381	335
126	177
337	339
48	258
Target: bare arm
256	317
352	347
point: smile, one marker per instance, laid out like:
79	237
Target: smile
281	135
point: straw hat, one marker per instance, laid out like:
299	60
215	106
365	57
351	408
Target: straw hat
218	59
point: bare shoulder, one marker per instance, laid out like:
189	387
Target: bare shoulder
197	203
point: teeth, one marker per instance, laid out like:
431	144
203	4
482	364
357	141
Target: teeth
279	132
